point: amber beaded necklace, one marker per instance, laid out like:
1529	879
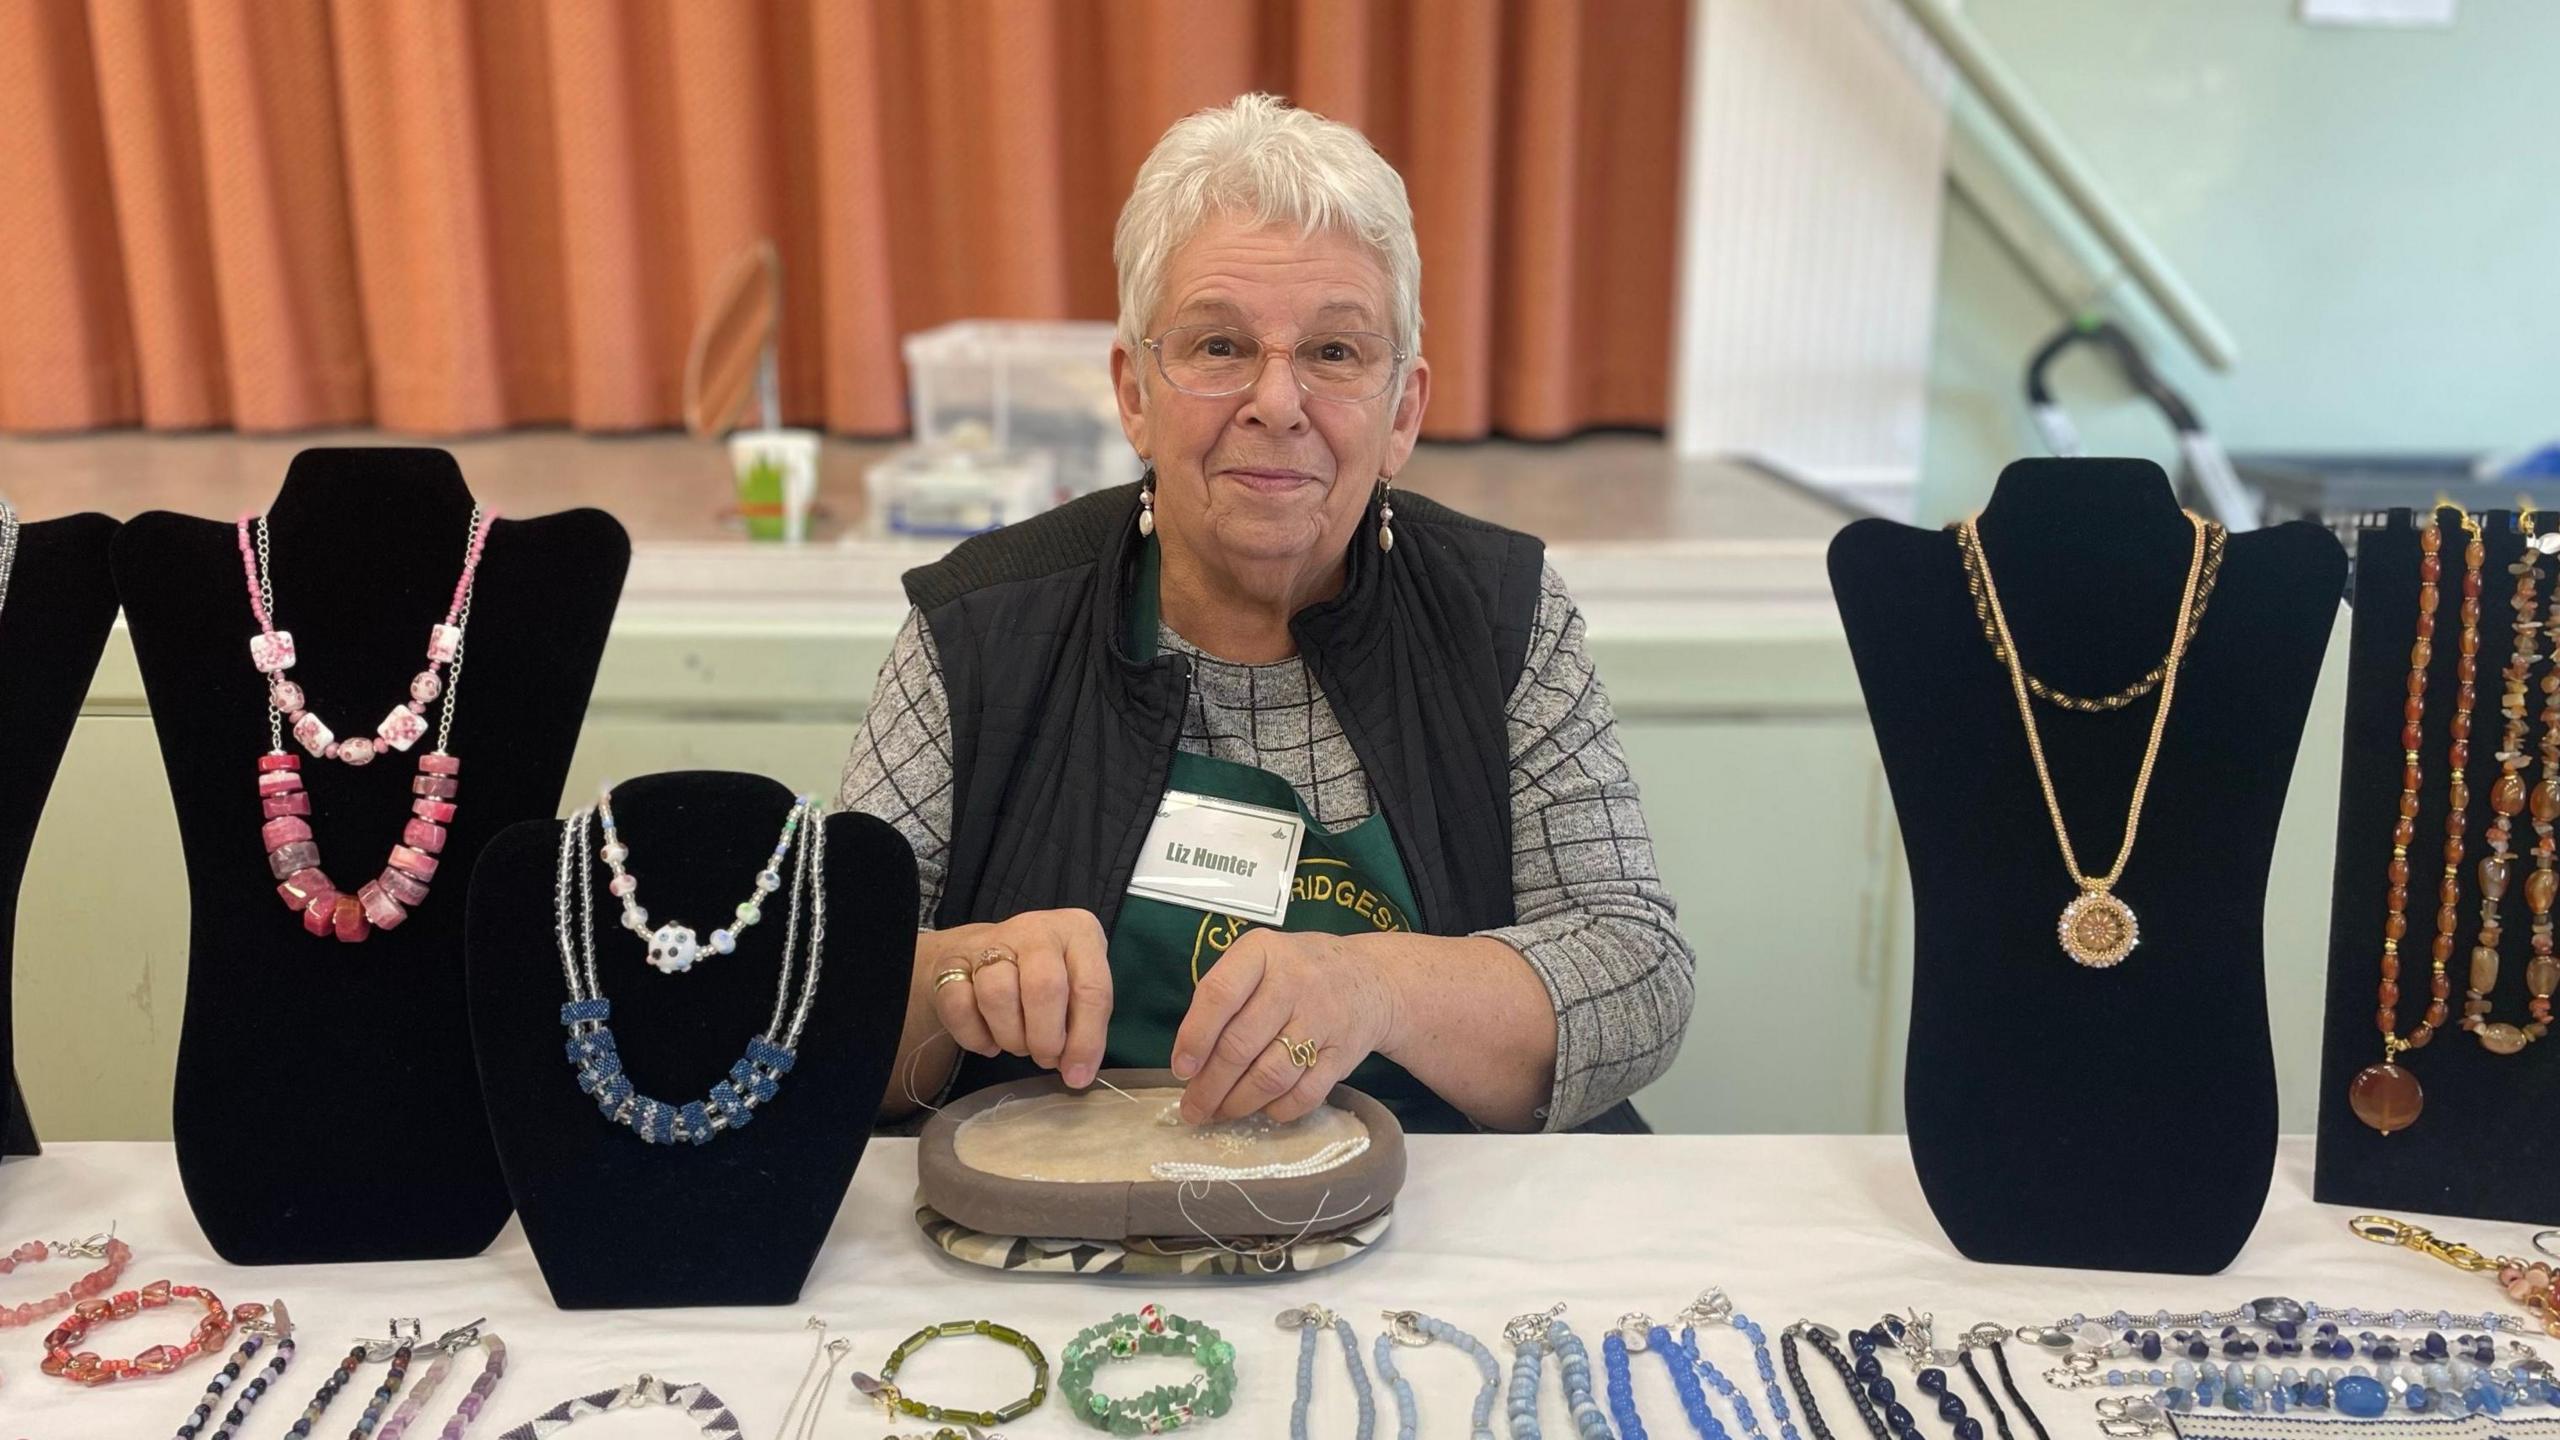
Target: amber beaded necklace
2508	798
2542	972
2386	1096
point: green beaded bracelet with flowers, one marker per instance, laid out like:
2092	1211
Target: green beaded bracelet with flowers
1167	1407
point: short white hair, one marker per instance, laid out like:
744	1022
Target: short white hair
1260	158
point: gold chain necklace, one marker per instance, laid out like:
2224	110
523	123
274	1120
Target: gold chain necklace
2097	928
1974	568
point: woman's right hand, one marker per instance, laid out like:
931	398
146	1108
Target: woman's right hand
1038	984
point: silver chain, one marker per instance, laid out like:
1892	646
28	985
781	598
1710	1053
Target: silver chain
462	642
8	548
267	604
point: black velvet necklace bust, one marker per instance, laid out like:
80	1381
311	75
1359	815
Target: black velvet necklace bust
327	1108
2041	1095
53	626
616	1221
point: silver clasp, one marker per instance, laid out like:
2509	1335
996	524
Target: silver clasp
92	1247
403	1333
1305	1317
1635	1331
2128	1416
1405	1327
459	1338
1528	1329
1712	1307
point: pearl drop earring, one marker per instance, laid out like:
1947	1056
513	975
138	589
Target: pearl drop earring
1147	509
1387	513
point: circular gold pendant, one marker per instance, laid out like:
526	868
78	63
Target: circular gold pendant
2098	930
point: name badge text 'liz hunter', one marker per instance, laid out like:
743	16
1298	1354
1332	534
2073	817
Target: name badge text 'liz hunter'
1222	856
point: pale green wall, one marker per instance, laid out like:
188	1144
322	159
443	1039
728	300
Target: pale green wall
2375	214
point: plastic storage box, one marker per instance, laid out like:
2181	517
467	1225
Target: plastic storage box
1022	385
929	490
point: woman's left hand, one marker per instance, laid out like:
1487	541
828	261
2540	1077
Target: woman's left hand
1271	989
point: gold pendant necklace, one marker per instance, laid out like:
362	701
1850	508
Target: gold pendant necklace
2097	928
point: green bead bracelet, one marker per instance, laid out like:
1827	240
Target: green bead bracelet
884	1389
1167	1407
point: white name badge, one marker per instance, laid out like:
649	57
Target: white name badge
1222	856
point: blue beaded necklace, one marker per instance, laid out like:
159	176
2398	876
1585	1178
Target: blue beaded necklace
769	1055
1892	1336
1407	1327
1531	1337
1638	1333
1713	1308
1307	1320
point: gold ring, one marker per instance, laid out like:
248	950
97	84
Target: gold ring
947	976
1302	1053
992	955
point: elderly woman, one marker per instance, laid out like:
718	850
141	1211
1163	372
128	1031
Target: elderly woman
1258	769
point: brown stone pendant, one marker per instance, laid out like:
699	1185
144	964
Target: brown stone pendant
2386	1097
2098	930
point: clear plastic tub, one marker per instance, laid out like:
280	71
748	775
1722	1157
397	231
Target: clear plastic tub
1022	385
934	490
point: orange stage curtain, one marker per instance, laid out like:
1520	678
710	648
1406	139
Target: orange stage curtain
448	216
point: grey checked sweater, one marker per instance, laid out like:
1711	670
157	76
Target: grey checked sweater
1594	920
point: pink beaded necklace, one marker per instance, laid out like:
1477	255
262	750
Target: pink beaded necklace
293	857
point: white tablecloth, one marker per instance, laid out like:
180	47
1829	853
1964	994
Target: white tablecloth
1828	1226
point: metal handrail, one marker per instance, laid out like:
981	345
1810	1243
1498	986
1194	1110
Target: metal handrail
2007	99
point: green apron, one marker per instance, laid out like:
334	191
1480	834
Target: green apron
1348	883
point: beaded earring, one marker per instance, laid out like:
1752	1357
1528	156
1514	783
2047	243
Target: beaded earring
1147	505
1387	514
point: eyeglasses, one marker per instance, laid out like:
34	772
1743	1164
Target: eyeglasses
1210	361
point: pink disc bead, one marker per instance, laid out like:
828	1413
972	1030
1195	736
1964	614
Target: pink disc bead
439	763
380	908
405	888
278	760
423	835
436	787
278	782
304	886
317	918
416	862
439	811
348	920
286	859
296	803
284	830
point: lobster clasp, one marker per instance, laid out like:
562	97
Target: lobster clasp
2384	1230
